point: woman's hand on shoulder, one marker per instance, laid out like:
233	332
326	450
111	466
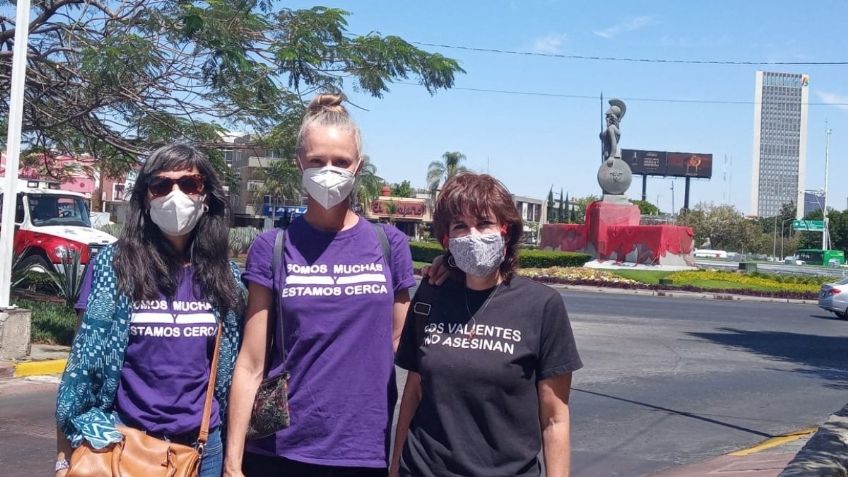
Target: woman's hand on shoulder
437	272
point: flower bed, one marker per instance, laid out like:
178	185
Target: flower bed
680	281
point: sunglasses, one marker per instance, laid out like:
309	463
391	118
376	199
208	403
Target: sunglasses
191	185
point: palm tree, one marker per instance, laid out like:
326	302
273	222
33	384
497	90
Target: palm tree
281	179
438	172
368	183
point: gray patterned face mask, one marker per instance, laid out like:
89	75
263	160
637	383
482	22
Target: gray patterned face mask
479	255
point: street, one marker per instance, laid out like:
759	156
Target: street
669	381
666	381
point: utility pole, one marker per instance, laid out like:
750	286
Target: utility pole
825	232
672	199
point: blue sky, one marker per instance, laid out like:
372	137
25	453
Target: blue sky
534	142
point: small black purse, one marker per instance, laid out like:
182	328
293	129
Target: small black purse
271	404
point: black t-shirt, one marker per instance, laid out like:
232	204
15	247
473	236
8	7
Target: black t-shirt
479	409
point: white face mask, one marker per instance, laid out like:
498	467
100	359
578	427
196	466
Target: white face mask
177	213
328	185
478	254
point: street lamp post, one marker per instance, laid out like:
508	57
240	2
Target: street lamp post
824	199
781	235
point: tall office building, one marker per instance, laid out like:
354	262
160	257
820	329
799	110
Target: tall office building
780	142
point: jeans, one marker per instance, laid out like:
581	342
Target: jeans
212	463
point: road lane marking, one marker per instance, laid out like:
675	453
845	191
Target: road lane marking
774	442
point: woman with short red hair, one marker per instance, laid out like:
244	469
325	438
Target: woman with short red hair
489	354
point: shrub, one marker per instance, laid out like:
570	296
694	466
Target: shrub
427	251
744	281
546	259
111	229
52	323
240	239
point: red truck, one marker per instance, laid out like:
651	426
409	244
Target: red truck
50	222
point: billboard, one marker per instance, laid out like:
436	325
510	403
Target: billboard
662	163
648	163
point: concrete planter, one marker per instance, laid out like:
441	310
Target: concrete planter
15	333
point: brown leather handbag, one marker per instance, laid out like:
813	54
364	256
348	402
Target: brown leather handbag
141	455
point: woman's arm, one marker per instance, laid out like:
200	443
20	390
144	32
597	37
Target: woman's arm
408	406
249	370
64	451
556	425
401	306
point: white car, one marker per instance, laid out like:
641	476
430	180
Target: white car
833	297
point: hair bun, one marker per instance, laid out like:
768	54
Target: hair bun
327	102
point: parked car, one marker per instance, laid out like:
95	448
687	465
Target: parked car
833	297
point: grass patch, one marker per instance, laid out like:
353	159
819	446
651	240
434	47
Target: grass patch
649	277
52	323
416	265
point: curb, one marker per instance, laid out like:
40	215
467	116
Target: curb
38	368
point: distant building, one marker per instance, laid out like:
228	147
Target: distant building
533	213
780	142
411	215
813	201
248	160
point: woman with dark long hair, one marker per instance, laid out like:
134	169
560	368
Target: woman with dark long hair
155	303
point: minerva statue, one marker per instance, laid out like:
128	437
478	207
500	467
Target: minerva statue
612	133
614	176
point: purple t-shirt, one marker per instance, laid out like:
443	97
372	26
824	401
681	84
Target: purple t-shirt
167	362
337	309
85	288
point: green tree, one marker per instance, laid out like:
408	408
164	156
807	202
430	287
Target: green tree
837	226
281	180
368	183
115	79
580	205
723	226
561	210
551	211
404	189
438	172
646	208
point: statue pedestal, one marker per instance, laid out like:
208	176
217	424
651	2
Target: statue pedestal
612	232
600	216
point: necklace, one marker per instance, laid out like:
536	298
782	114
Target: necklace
472	316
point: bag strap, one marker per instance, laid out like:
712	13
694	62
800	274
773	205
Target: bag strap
422	306
276	262
210	389
384	243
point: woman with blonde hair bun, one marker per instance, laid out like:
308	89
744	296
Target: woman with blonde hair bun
335	300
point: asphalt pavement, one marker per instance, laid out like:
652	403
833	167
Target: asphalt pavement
672	386
676	381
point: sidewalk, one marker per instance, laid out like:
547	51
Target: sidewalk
43	359
767	459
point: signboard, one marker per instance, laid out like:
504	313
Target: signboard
409	208
808	225
662	163
283	210
648	163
